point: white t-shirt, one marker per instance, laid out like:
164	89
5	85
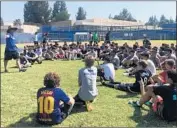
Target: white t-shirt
151	67
108	70
36	38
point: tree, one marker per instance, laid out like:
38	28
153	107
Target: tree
171	21
56	8
17	22
152	21
37	12
2	22
124	15
60	12
62	16
110	17
81	14
163	20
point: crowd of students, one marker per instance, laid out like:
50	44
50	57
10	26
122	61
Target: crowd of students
139	63
159	91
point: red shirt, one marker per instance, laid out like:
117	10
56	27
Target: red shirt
163	77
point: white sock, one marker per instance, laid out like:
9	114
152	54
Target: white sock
138	103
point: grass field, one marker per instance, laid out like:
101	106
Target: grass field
19	105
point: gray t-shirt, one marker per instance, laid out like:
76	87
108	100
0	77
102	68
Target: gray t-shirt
87	79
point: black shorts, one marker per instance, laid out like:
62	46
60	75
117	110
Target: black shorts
9	55
35	42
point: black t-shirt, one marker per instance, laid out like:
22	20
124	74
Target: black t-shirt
32	54
169	95
146	42
142	75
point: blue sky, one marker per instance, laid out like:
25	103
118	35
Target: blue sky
140	10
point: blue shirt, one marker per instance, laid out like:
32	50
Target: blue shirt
49	109
10	43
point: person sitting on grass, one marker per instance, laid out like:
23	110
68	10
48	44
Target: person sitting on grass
164	98
167	65
24	61
151	66
115	60
87	83
155	57
142	76
130	59
54	105
108	73
32	57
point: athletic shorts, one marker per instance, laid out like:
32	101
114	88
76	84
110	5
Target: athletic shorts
9	55
35	42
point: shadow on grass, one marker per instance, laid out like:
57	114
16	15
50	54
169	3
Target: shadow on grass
14	67
128	95
30	121
9	72
149	120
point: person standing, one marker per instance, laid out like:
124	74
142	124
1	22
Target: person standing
36	39
95	37
146	42
90	38
107	38
11	50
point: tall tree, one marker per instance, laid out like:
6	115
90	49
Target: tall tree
56	8
60	12
81	14
17	22
171	21
124	15
2	22
163	20
110	16
37	12
152	21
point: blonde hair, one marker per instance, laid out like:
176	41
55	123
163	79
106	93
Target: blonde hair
89	61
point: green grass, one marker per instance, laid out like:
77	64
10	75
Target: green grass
19	105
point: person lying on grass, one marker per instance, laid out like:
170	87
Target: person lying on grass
87	83
54	105
142	76
164	98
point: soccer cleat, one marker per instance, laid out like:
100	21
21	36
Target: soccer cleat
88	106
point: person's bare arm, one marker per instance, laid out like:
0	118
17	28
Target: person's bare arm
151	80
142	87
79	79
71	100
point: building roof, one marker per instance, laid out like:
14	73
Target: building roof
107	22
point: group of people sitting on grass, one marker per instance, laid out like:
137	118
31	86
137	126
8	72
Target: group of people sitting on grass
158	90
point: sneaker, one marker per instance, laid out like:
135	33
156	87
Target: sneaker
134	103
22	70
148	103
